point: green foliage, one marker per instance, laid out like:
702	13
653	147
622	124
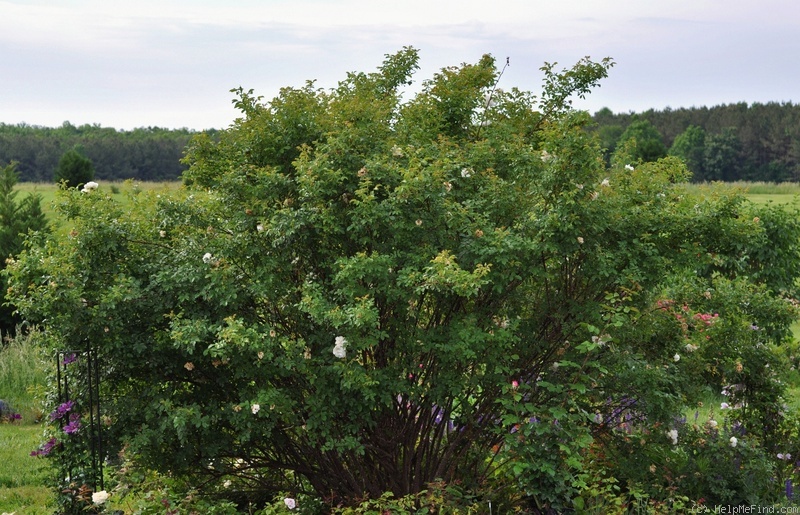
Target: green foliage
720	156
643	142
16	220
690	146
144	154
357	294
767	137
74	169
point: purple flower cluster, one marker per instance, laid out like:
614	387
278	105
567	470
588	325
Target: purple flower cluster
70	358
7	414
46	448
61	410
74	424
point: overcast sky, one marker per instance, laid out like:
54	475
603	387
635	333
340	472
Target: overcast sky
172	63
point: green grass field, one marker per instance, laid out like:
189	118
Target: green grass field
758	192
22	477
761	192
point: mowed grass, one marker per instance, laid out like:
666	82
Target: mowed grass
23	477
118	190
783	193
758	192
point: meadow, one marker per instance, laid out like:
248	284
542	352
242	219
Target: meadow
24	370
759	192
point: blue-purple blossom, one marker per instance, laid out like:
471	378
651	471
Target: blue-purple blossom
46	448
62	410
74	424
70	358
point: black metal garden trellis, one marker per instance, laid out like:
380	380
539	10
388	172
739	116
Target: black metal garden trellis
78	377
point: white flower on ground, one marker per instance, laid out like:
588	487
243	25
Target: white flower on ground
290	503
673	435
676	358
340	347
255	408
89	186
734	441
208	258
100	497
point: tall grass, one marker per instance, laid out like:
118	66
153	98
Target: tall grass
23	374
754	188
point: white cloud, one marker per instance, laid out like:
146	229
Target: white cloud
173	62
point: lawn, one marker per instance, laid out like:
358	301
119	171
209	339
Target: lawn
118	190
22	477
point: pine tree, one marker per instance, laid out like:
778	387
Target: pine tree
16	220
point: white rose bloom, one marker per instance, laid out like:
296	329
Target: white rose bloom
673	435
629	168
340	347
676	358
734	441
89	186
207	258
100	497
255	408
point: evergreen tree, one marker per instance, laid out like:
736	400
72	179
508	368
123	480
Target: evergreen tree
643	141
720	158
16	220
74	169
690	146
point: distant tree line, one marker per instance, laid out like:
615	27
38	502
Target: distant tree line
751	142
755	142
145	154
